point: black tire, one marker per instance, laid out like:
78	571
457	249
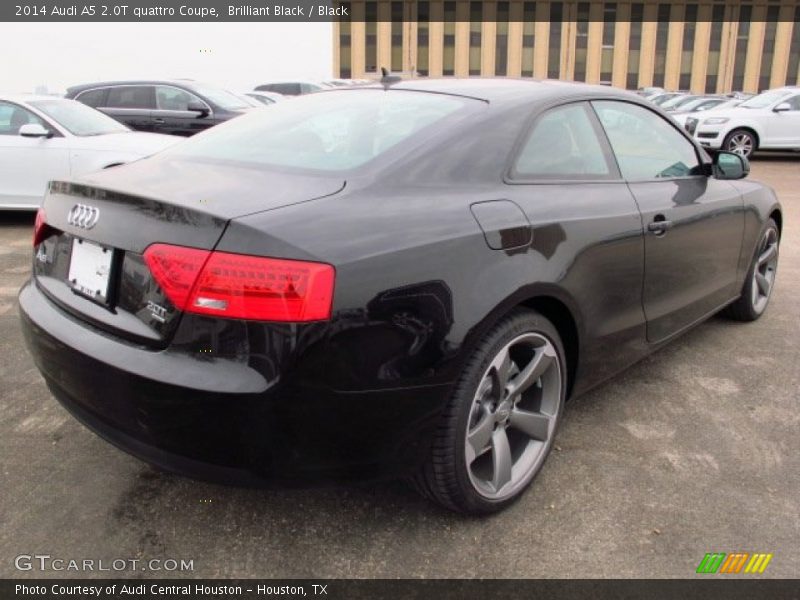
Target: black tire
746	137
745	308
445	477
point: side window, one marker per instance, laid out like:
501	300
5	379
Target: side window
645	144
563	144
93	98
794	102
170	98
131	96
12	117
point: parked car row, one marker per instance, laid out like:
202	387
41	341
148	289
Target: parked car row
736	122
44	138
104	124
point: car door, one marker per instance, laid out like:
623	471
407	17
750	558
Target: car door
172	115
586	227
693	223
27	164
783	128
132	105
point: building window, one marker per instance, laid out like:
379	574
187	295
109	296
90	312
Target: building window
609	31
742	36
423	32
635	46
662	32
793	73
345	50
371	34
687	47
715	44
554	51
449	55
768	52
397	36
501	40
581	41
528	37
475	27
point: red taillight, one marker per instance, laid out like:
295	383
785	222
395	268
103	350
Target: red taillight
40	228
242	287
175	269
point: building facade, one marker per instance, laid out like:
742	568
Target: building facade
706	47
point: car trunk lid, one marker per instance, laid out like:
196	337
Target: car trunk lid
101	225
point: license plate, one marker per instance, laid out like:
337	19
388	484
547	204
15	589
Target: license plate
90	269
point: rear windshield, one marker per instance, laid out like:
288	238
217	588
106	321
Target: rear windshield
332	131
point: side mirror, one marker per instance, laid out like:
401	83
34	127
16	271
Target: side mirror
782	107
198	107
729	165
35	130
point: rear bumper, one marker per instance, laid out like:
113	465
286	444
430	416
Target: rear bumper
223	419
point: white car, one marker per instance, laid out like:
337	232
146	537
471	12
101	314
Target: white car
769	121
703	105
44	138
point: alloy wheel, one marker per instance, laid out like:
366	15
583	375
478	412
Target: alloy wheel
513	416
741	143
764	270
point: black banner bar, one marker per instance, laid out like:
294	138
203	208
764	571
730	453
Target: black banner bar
275	11
728	588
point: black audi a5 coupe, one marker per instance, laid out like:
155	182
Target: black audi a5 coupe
404	280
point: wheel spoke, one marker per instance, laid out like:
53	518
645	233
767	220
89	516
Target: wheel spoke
540	362
502	367
534	425
763	284
479	437
502	462
768	254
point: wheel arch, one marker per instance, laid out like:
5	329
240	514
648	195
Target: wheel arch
559	314
555	305
750	129
776	215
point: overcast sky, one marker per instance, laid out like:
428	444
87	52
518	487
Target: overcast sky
234	55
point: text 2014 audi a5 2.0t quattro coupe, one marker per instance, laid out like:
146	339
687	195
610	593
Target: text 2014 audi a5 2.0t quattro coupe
400	280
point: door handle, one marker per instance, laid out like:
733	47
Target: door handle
660	225
159	121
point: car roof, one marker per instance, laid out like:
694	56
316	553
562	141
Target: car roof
187	83
503	90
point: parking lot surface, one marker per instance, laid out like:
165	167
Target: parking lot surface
696	449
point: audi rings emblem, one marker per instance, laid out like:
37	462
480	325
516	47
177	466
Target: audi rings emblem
83	216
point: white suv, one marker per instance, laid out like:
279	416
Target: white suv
769	121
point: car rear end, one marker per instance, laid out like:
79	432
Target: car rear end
170	312
160	344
